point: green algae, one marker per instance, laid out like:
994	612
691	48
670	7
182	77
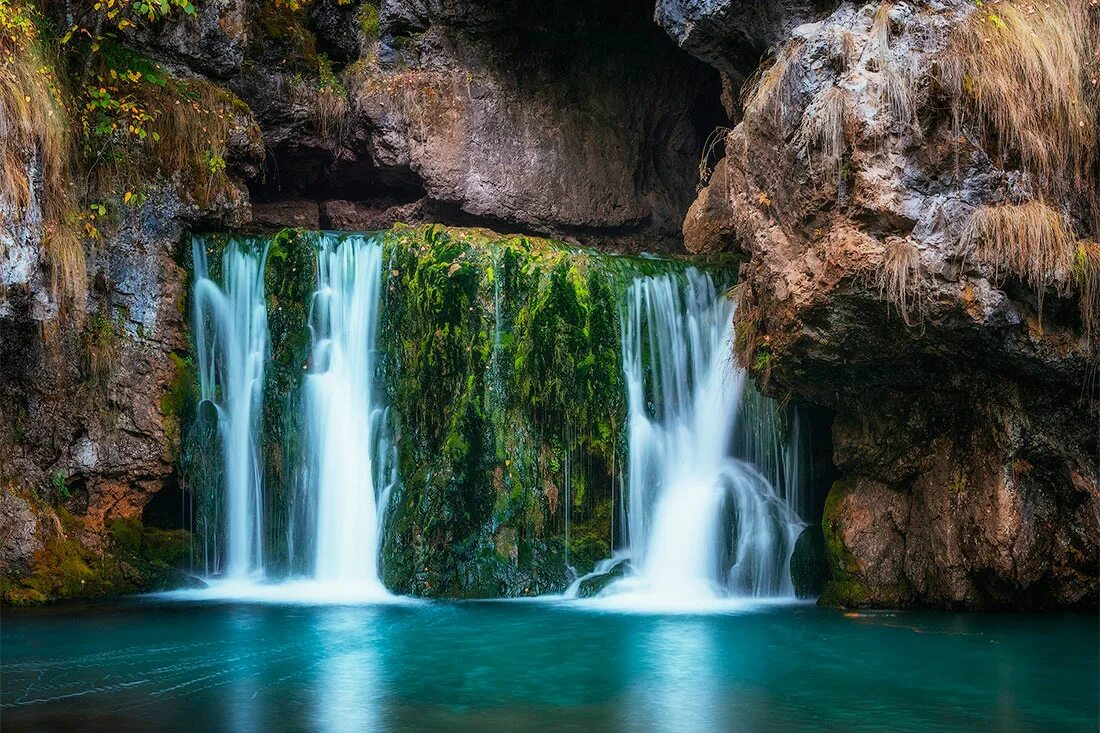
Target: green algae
500	364
134	558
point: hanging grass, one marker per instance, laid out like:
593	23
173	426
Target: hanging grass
1030	241
36	150
1025	74
899	280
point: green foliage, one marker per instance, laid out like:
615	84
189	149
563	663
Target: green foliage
368	20
58	484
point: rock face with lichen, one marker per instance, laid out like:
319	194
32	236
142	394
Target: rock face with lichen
965	431
964	434
346	115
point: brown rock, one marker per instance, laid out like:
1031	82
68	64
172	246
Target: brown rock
291	213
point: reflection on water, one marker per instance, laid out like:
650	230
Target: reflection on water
348	679
136	664
675	682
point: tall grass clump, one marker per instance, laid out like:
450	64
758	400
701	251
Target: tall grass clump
1025	74
1030	241
899	280
771	93
36	149
823	126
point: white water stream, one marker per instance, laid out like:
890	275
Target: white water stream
231	346
348	447
704	517
702	523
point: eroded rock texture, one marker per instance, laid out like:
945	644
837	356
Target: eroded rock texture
583	121
963	427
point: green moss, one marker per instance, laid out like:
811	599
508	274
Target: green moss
126	533
842	563
177	404
136	558
286	29
845	586
481	508
368	20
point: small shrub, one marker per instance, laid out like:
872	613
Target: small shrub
60	488
369	22
100	345
331	103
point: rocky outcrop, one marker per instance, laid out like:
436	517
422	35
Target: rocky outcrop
339	115
964	432
732	35
583	124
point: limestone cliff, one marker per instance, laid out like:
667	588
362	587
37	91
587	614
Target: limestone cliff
911	267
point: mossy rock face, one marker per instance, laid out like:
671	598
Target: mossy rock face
499	365
135	559
848	583
502	366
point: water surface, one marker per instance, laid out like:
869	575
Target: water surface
152	664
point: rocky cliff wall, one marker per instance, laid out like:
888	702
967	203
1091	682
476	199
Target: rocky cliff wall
584	123
911	268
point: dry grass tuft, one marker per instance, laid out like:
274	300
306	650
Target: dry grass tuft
746	324
880	32
330	109
896	95
900	281
848	51
823	126
1026	73
770	94
1086	275
715	143
1030	241
36	153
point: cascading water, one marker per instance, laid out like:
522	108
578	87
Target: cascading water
349	472
711	502
231	345
702	523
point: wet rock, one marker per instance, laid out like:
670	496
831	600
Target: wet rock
809	567
18	533
966	443
730	34
594	586
279	214
367	216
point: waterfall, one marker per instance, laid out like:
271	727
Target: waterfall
702	521
348	449
231	346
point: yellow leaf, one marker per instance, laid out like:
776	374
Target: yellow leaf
127	197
